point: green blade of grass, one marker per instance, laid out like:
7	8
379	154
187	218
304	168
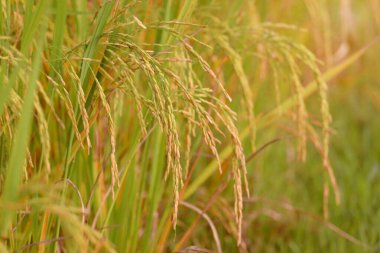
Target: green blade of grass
59	32
90	51
14	171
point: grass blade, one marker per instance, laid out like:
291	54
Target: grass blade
19	148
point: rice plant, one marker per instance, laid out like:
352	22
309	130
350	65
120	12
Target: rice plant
116	114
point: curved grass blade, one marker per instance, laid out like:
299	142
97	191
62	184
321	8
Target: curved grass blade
16	164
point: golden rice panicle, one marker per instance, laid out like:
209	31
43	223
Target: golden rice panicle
82	106
63	94
238	168
301	112
326	122
161	108
50	105
164	109
276	84
238	193
163	81
127	79
237	63
107	108
189	133
206	67
137	98
174	152
311	61
44	134
186	69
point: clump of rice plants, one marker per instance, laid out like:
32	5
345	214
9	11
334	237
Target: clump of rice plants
114	113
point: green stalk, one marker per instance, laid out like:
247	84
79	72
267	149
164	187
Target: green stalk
16	165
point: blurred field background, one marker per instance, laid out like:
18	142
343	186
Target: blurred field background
100	99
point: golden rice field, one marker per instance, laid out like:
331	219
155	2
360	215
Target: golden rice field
189	126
